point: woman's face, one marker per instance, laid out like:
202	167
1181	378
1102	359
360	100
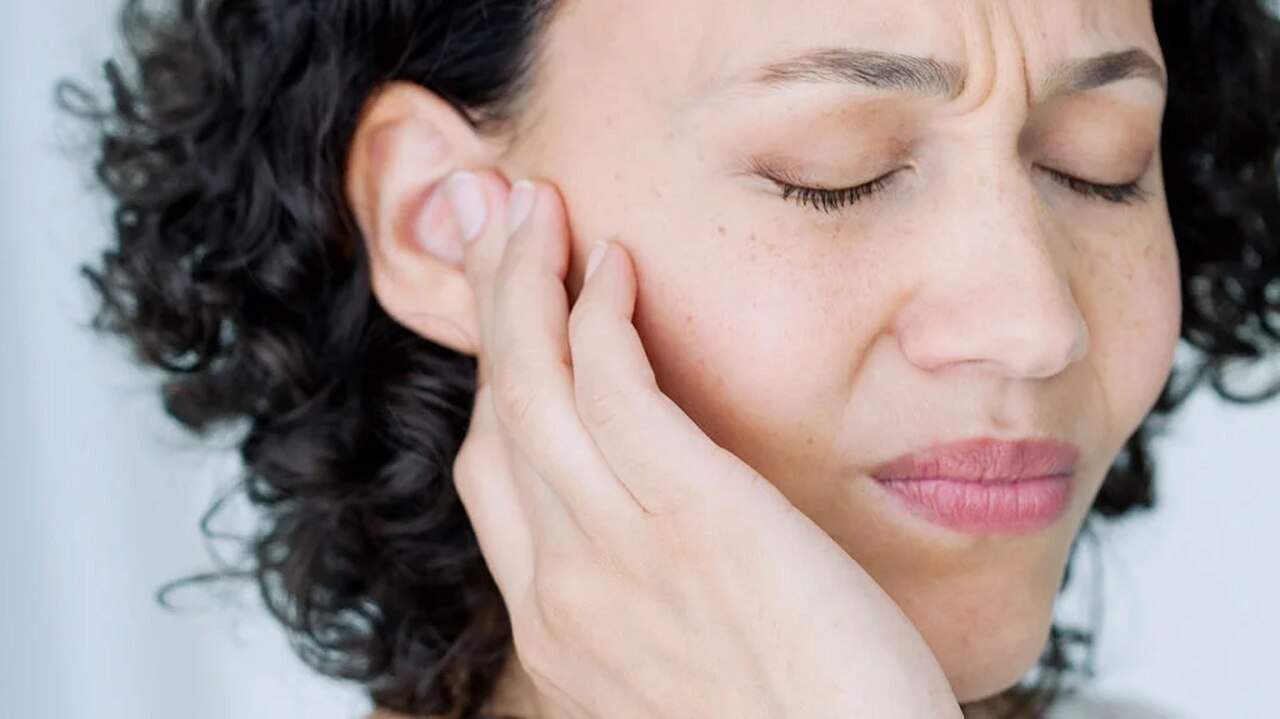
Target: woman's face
974	295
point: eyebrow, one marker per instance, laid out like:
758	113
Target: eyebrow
915	74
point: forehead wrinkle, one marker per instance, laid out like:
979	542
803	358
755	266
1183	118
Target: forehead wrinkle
911	74
838	60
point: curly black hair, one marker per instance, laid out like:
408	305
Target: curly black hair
236	268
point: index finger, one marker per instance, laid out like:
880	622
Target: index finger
523	311
476	197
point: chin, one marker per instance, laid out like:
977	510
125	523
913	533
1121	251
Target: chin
997	659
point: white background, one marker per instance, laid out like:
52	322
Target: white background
100	494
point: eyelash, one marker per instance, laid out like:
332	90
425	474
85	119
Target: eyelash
832	200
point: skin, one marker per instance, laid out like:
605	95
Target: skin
974	296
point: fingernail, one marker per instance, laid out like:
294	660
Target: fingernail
519	206
437	235
593	260
467	198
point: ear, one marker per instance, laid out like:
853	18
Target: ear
406	141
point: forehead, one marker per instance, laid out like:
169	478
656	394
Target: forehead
672	50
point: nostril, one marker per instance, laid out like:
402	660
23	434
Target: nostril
1010	338
1050	356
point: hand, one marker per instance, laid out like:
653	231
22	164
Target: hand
648	571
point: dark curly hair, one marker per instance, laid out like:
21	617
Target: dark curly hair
236	268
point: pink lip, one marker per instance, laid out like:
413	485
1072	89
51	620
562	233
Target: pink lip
984	485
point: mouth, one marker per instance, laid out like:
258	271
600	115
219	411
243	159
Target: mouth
984	486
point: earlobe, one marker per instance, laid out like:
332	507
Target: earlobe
406	143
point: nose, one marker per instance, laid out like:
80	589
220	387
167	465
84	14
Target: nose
996	294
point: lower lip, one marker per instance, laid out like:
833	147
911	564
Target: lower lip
1024	505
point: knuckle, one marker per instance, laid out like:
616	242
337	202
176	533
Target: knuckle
580	318
535	650
515	396
690	499
535	647
465	474
466	461
665	502
473	470
563	594
727	473
603	407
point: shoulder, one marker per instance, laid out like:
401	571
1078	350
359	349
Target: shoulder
1086	705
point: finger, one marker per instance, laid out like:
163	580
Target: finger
656	450
482	475
502	505
522	308
479	201
531	370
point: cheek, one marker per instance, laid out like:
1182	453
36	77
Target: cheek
748	339
1135	312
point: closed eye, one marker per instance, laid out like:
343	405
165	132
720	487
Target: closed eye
1127	193
832	200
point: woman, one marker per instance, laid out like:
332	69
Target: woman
920	266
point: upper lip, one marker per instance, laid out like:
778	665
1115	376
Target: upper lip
984	460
